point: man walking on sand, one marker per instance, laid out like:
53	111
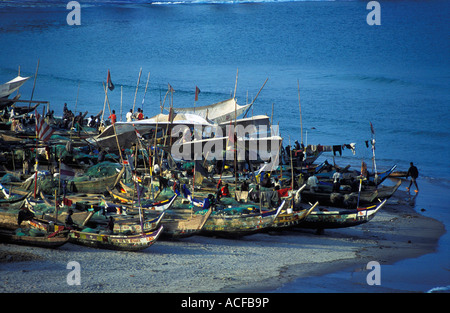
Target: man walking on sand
414	173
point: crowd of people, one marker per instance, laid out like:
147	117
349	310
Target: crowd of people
70	120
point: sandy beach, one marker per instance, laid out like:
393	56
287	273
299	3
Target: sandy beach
198	264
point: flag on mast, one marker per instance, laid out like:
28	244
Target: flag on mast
65	172
109	83
43	130
197	91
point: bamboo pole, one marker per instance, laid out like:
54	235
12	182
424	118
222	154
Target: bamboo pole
155	144
34	84
235	143
300	107
114	127
75	111
18	74
145	92
271	117
121	95
235	85
292	173
56	207
137	87
251	104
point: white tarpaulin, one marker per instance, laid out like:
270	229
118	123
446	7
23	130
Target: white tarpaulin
11	86
218	112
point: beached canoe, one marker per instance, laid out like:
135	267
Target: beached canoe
348	199
291	218
98	185
53	240
45	225
177	226
238	225
13	196
335	218
158	206
133	225
134	242
47	212
327	177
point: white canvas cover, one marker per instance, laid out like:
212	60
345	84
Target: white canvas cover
219	112
11	86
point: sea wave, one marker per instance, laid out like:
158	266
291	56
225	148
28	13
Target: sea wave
144	2
227	1
445	289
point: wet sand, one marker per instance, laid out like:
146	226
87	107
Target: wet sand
256	263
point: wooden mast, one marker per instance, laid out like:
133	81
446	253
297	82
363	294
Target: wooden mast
300	107
113	124
137	87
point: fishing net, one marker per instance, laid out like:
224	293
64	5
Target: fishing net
29	232
9	178
49	185
100	170
103	169
42	208
90	230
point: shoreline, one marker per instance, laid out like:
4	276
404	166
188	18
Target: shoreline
404	269
255	263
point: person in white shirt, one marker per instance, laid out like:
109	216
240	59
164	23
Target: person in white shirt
313	183
337	181
129	116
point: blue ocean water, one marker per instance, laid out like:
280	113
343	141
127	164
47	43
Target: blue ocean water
394	75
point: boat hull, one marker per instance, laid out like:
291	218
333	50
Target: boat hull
340	219
116	242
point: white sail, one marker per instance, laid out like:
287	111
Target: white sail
11	86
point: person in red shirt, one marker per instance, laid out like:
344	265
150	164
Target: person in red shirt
140	115
113	117
224	191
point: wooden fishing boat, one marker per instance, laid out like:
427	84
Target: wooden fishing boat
134	242
98	185
123	196
238	225
145	205
13	196
398	174
291	218
177	226
53	240
133	225
45	225
372	179
335	218
79	217
348	199
385	192
21	110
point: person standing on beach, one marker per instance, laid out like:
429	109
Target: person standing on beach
129	116
69	223
414	173
337	181
110	225
140	115
113	117
313	183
